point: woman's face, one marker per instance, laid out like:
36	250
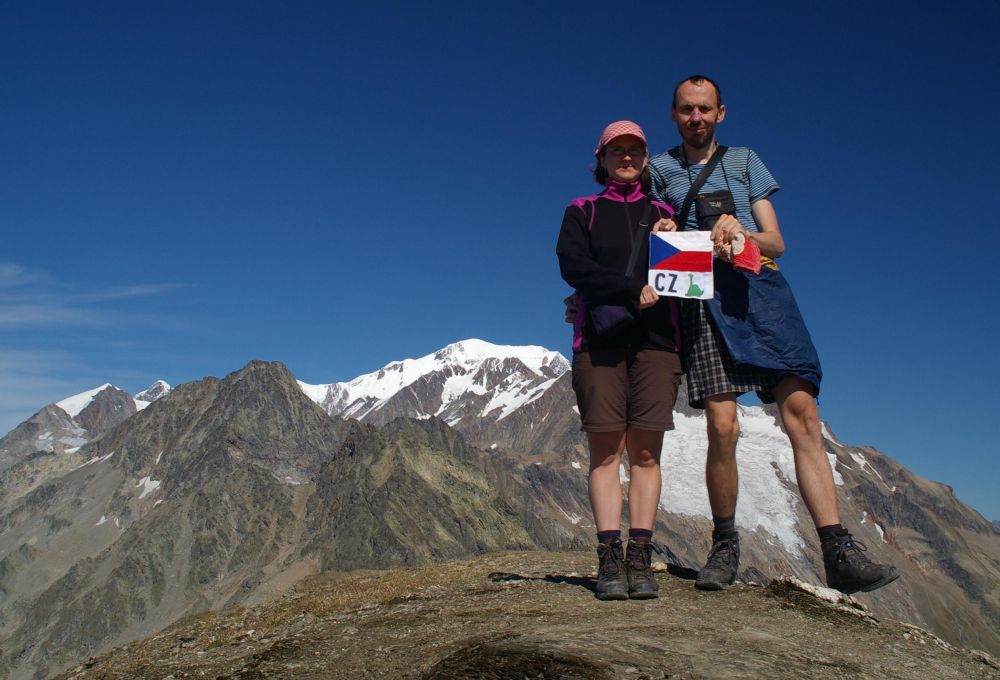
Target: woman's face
624	158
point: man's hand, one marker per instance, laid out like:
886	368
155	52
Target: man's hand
725	230
665	224
648	297
570	303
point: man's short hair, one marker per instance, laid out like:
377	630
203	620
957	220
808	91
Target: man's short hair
698	80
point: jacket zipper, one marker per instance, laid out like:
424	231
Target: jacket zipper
628	217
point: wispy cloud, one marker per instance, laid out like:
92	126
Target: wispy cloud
33	298
127	292
12	274
59	338
30	379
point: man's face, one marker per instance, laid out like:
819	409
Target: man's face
697	112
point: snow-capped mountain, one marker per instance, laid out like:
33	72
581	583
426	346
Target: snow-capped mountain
467	379
158	389
65	426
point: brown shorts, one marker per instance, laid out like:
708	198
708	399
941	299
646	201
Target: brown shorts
620	388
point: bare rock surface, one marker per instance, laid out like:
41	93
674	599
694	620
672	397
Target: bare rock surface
534	615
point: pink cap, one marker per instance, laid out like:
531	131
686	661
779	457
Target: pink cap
617	129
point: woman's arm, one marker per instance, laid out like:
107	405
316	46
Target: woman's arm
579	269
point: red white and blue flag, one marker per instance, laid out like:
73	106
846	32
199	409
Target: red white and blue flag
680	264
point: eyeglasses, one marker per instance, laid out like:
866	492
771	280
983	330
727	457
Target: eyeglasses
621	150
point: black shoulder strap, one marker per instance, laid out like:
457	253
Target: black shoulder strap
640	232
698	183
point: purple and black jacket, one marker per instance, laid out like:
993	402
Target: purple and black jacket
594	245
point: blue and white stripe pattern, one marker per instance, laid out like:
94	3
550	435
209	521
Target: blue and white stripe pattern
740	171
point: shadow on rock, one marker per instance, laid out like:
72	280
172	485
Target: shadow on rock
515	659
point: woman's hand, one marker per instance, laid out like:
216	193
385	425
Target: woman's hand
665	224
648	297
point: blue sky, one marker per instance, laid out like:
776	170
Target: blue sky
188	186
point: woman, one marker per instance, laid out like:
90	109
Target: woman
625	377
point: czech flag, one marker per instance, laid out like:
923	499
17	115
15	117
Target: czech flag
680	264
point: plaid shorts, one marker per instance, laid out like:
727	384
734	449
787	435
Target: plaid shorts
709	368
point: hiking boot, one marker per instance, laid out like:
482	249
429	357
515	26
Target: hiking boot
612	583
638	567
720	568
849	570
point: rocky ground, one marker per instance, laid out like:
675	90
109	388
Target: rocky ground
534	615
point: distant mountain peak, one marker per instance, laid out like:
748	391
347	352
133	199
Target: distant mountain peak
158	389
474	351
503	376
75	404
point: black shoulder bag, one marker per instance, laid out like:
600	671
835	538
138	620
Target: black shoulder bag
697	184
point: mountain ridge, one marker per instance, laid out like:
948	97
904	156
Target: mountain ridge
225	491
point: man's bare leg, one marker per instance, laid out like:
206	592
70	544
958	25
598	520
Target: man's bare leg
812	467
847	568
722	480
721	474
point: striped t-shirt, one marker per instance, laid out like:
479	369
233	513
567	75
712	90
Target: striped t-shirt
740	171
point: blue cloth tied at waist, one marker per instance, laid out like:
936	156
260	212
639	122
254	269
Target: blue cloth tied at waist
760	321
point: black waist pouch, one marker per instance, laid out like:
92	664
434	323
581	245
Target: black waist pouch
708	208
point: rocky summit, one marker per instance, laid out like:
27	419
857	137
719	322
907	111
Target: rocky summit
533	615
225	492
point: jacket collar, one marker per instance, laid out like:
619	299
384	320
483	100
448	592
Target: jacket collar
621	191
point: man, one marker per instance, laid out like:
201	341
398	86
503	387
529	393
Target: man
781	367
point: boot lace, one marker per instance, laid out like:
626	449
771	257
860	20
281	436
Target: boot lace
723	555
850	551
640	555
612	561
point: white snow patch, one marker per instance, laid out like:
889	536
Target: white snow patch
315	392
829	435
72	449
140	404
95	460
117	523
493	446
766	465
575	464
571	516
148	485
75	404
863	464
864	517
101	521
881	532
157	502
158	457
